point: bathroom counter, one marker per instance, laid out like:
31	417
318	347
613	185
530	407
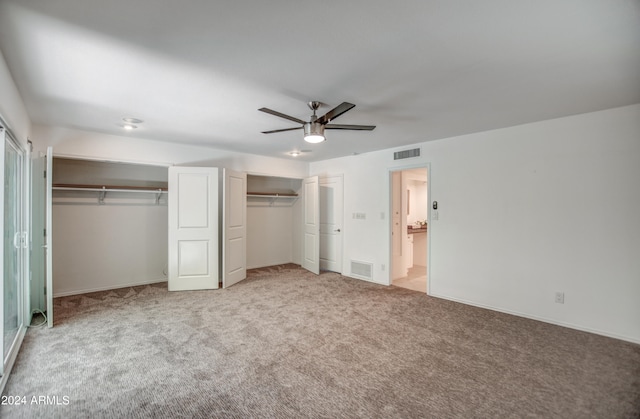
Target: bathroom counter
416	230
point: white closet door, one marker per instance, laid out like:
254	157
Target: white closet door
311	222
331	210
49	236
234	260
193	228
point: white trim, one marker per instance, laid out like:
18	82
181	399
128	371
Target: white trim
541	319
110	160
49	236
274	175
26	300
108	288
344	216
372	281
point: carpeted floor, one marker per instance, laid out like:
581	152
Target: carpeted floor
285	343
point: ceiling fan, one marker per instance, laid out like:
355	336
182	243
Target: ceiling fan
314	129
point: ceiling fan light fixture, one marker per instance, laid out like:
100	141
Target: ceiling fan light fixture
314	132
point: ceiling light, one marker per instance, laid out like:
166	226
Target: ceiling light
132	120
294	153
314	132
129	127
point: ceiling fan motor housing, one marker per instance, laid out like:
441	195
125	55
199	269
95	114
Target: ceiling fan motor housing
313	128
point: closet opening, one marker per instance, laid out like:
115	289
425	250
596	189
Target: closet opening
109	225
409	228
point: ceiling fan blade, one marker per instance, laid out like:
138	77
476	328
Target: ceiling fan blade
281	115
354	127
280	130
335	112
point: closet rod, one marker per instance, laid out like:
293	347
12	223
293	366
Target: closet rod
103	190
272	195
97	188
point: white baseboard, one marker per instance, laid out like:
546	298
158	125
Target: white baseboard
542	319
373	281
106	288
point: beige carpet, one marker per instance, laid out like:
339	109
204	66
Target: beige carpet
285	343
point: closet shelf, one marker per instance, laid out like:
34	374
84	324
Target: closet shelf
272	195
262	197
104	189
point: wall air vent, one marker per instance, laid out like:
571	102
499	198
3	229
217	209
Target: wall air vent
362	270
406	154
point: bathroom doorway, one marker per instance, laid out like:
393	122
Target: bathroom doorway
409	227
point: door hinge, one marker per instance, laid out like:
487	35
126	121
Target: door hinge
45	174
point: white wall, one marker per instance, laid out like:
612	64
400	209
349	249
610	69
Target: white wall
12	107
269	235
523	212
98	247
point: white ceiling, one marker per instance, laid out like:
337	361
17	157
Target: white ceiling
197	71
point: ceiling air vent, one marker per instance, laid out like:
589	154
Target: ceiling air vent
406	154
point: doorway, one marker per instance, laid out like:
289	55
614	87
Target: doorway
409	228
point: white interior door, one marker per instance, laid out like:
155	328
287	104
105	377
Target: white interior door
234	258
331	214
193	228
311	225
49	237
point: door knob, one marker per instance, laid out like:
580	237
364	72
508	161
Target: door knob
337	231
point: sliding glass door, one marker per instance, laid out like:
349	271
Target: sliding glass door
14	243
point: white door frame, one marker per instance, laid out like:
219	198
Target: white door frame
426	166
20	241
37	218
48	240
311	225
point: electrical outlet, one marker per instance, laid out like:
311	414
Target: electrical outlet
560	297
382	267
359	216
